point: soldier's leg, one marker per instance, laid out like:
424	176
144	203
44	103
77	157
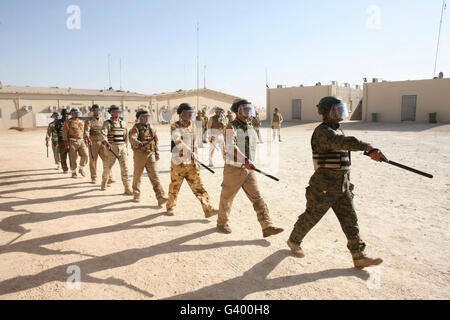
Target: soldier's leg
56	153
140	158
122	153
279	134
211	152
104	154
84	157
176	180
250	187
63	156
152	171
197	187
233	178
317	204
108	163
73	150
93	161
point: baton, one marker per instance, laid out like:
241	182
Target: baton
267	175
47	151
204	166
115	155
92	153
399	165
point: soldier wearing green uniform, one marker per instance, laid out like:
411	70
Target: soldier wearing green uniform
63	152
330	185
52	134
241	140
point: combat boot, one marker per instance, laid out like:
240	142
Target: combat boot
74	175
211	213
296	250
94	181
128	191
103	188
81	171
360	261
111	181
170	212
162	201
271	231
57	167
224	228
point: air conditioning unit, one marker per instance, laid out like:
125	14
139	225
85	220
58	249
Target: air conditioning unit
318	84
334	83
27	108
357	86
52	108
374	80
279	86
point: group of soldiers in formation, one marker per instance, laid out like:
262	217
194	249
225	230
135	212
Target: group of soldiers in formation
235	137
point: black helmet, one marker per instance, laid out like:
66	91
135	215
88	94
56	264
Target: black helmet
185	107
113	108
95	106
64	111
326	103
55	114
237	104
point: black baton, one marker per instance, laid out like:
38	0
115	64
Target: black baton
399	165
90	150
115	155
204	166
267	175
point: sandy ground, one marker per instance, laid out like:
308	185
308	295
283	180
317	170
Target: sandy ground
50	223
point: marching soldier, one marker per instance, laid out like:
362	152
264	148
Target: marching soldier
115	139
229	116
216	126
199	128
59	125
256	123
204	126
52	134
183	165
277	120
238	172
144	142
74	141
93	129
330	186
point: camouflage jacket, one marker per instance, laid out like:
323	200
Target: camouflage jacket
240	135
143	134
52	132
182	142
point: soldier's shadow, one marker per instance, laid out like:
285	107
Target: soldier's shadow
256	280
118	260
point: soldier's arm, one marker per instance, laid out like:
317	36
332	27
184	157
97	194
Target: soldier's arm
177	138
87	133
281	119
49	133
209	123
231	147
126	137
105	130
135	143
332	140
156	141
65	132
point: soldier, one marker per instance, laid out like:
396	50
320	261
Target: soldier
204	126
93	129
277	120
74	140
52	134
115	138
216	126
199	128
238	172
256	123
229	116
59	125
330	186
144	142
183	165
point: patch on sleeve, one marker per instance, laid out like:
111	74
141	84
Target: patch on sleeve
133	132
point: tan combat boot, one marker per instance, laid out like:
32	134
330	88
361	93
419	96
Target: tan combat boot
103	188
296	250
211	213
74	175
360	261
111	181
271	231
170	212
162	201
81	171
224	228
128	191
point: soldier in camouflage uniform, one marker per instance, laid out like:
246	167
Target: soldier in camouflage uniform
241	140
256	122
216	127
144	142
63	152
93	129
230	116
330	185
205	120
52	134
74	139
183	165
277	120
115	138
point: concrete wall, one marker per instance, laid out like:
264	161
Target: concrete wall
385	99
281	98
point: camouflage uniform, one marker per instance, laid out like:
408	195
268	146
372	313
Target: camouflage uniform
52	134
93	129
63	152
216	125
74	135
329	187
182	167
277	120
243	136
144	157
256	125
116	134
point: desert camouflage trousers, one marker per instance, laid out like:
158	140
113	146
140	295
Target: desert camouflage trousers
235	178
63	153
319	199
190	172
77	147
55	150
110	160
98	150
146	160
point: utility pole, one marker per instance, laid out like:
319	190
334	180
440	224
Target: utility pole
109	69
120	74
444	5
198	67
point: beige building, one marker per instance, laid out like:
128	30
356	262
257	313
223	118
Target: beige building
30	107
414	100
299	103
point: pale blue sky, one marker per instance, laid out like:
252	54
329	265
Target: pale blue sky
299	42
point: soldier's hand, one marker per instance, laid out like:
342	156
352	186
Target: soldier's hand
212	139
108	146
67	147
352	187
376	154
46	143
157	157
249	165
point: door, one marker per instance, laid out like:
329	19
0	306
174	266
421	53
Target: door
297	109
409	108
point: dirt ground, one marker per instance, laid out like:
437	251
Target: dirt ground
51	225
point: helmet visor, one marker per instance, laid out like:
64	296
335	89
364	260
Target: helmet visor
76	113
145	118
339	111
116	113
188	115
247	110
